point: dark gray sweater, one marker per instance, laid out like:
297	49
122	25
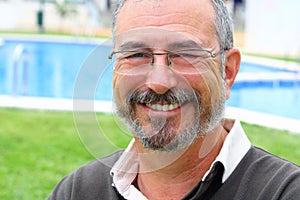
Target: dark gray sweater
259	176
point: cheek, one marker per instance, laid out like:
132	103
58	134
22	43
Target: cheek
214	84
123	85
120	89
208	85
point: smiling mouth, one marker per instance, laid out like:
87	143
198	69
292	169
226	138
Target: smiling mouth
167	102
162	107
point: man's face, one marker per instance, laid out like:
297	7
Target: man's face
170	99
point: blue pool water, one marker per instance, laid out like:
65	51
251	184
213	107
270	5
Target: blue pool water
51	70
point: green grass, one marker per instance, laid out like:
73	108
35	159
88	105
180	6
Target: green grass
38	148
280	143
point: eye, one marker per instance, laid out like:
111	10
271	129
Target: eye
138	55
188	55
184	54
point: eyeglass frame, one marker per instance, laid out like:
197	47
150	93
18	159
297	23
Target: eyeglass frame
168	53
152	54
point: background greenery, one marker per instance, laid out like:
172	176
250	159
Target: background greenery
38	148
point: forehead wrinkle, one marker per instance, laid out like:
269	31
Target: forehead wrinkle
156	13
174	42
182	19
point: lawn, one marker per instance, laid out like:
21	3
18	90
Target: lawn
38	148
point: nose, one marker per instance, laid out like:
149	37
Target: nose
165	55
161	79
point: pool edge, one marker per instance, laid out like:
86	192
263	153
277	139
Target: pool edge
263	119
251	117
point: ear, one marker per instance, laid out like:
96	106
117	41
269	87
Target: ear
232	66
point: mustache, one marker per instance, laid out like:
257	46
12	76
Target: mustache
170	97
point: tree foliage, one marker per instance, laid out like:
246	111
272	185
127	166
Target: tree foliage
64	8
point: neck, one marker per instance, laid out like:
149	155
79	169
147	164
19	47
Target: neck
174	174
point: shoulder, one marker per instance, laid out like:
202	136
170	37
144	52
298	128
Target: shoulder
265	166
262	175
89	181
98	168
100	165
261	157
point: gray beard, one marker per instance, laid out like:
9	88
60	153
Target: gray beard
162	140
162	136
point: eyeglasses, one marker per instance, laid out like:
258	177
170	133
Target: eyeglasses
185	61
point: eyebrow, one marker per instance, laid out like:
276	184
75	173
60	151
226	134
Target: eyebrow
186	44
177	45
133	45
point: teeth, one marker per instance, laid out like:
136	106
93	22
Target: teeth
160	107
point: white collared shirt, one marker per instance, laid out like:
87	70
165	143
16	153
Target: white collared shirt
234	148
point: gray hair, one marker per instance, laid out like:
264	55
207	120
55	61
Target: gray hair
223	22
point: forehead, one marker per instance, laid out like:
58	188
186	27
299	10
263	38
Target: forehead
192	18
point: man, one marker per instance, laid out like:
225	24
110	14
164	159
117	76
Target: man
174	67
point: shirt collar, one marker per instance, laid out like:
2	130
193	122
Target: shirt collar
234	148
125	171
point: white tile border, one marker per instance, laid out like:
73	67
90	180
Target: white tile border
53	38
280	64
53	104
267	120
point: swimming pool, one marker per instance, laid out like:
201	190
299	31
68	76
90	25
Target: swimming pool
49	69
